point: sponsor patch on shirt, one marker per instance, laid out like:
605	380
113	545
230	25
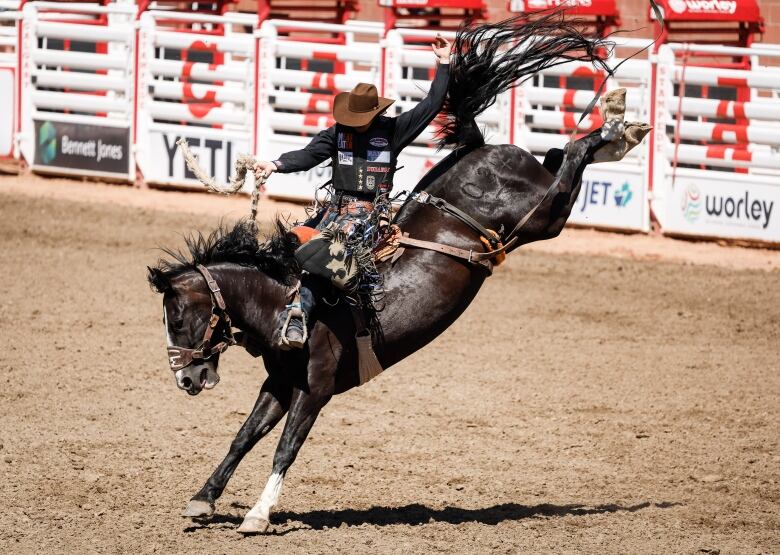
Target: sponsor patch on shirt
345	158
378	169
345	141
379	142
381	156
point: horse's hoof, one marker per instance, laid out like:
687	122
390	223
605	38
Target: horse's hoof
196	508
253	525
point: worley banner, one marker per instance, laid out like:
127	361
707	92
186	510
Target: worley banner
75	146
731	208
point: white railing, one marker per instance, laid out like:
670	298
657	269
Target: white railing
297	80
9	27
194	84
711	169
546	111
77	105
717	178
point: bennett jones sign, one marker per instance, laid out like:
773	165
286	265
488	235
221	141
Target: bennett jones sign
725	208
76	146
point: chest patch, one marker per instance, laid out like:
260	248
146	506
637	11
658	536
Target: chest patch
345	158
379	142
379	156
345	141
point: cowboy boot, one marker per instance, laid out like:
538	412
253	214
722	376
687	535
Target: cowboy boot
294	331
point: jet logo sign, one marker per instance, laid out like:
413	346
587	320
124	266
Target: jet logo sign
604	194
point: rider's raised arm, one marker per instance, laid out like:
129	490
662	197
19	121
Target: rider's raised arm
320	148
410	124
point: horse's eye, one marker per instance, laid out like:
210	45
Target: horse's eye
178	324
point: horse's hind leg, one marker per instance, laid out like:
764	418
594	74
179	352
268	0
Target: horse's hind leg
569	171
270	407
305	406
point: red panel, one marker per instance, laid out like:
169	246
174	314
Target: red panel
711	10
576	7
460	4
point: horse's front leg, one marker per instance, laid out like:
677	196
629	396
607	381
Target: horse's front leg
270	407
307	401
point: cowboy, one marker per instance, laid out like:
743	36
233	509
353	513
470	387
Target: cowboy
363	146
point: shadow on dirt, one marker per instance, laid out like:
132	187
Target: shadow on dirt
416	514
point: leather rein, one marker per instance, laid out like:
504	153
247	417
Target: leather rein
181	357
476	258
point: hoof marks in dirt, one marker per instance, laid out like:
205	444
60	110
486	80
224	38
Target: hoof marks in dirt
196	509
252	525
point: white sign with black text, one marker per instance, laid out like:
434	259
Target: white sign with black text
611	196
728	207
7	114
216	156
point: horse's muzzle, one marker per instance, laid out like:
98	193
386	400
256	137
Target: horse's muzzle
196	377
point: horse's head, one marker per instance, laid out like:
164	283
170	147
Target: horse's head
196	329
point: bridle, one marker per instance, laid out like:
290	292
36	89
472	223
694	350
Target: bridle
181	357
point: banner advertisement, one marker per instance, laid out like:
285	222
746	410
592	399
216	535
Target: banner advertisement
8	94
730	208
611	198
216	156
75	146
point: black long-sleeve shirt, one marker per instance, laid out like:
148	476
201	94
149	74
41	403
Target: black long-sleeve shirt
407	127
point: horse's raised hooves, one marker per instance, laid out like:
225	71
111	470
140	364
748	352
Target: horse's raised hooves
196	508
253	525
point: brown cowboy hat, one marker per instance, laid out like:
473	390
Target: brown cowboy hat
359	106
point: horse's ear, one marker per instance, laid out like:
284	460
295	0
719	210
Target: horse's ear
158	280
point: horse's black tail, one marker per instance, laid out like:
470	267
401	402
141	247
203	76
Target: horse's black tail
489	59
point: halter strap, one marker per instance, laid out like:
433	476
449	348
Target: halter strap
181	357
216	293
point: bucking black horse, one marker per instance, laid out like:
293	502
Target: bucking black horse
502	187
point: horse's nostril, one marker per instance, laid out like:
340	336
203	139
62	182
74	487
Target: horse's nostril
186	383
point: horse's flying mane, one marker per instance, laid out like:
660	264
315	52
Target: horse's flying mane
237	244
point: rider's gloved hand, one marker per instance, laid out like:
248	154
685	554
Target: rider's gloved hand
441	47
264	169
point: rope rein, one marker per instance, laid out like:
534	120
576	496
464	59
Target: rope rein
244	164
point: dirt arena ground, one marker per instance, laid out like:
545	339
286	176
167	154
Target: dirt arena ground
612	401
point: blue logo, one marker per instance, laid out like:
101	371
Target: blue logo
623	195
595	193
47	142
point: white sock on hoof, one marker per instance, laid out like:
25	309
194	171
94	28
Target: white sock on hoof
268	499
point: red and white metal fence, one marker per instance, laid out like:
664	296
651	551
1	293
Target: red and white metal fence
77	82
296	83
546	110
408	70
9	21
105	91
196	79
717	178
